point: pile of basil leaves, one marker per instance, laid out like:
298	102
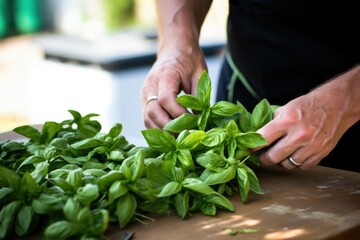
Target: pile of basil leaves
69	180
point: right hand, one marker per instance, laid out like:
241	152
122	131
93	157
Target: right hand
176	69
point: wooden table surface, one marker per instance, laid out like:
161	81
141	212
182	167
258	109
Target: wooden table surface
320	203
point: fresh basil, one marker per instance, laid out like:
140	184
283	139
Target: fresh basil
70	180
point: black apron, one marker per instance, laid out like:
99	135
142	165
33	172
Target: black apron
283	49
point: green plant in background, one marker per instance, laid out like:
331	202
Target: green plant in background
119	13
70	180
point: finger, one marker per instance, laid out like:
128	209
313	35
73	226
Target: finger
168	90
273	131
155	116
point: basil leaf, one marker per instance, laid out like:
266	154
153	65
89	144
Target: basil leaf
29	132
117	189
125	209
115	130
61	230
181	204
160	140
185	158
87	194
23	220
7	216
215	136
261	114
224	109
250	140
192	140
183	122
244	183
190	101
46	204
203	90
212	177
169	189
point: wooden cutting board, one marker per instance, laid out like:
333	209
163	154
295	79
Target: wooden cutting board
321	203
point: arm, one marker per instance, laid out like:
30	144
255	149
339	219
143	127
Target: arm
180	60
309	127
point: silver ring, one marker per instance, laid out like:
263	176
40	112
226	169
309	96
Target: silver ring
149	99
293	162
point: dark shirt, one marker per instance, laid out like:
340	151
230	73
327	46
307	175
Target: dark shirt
285	48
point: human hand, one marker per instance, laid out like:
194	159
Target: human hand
176	69
309	127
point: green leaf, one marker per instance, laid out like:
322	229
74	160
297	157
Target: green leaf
186	121
23	220
224	176
115	130
28	185
203	119
49	130
190	101
125	209
250	140
133	167
203	90
105	181
185	158
74	178
208	209
85	218
197	185
40	172
244	118
71	209
117	189
29	132
7	216
160	140
87	143
31	160
5	191
261	114
101	221
11	146
244	183
10	176
215	136
169	189
61	230
254	181
87	194
192	140
221	201
211	161
46	204
224	109
231	129
181	204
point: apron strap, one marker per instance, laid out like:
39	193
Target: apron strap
237	75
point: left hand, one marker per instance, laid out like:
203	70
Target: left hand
309	127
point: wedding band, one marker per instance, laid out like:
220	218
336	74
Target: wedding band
149	99
293	162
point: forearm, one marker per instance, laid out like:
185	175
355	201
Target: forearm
343	93
180	21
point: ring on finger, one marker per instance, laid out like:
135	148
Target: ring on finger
293	162
149	99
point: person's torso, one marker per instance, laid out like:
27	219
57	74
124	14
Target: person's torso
288	47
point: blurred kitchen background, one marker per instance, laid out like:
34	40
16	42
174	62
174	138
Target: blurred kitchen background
91	56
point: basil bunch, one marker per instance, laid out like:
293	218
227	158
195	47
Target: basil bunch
69	180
